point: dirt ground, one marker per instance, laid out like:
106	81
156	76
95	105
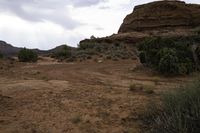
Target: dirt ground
81	97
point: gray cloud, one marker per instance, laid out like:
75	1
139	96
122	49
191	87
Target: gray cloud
80	3
46	10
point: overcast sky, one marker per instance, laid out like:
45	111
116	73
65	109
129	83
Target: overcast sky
45	24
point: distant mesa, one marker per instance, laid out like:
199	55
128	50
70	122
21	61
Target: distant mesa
7	49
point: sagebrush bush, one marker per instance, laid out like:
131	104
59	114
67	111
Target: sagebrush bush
179	111
27	55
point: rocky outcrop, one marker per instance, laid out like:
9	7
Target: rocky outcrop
169	18
162	15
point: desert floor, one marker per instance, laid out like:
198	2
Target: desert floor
81	97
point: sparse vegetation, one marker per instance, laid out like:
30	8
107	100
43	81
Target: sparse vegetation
64	53
168	62
142	57
76	119
26	55
1	56
167	55
198	52
148	89
133	87
91	49
179	111
45	78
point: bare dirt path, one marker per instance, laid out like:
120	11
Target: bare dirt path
50	97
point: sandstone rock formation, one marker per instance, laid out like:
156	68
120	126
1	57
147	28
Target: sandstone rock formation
168	18
162	15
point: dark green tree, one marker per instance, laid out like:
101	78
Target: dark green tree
1	55
198	52
27	55
64	53
142	57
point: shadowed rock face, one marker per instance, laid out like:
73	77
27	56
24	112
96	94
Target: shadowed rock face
165	15
7	49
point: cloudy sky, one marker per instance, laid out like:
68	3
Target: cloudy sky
45	24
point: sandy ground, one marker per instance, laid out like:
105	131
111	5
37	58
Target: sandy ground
89	97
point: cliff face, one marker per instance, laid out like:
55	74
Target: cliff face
162	15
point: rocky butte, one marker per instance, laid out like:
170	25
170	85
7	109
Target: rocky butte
160	18
162	15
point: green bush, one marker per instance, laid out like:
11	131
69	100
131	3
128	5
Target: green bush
26	55
1	55
179	112
198	52
168	55
142	57
151	48
186	67
169	62
84	46
64	53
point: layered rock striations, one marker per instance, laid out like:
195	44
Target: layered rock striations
162	15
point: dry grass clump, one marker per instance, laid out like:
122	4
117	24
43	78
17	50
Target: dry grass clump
179	111
76	119
149	89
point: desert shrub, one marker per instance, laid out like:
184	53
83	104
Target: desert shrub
64	53
108	41
71	59
108	57
27	55
186	67
76	119
198	52
117	44
1	55
165	54
178	112
142	57
197	30
169	62
84	46
89	57
92	46
81	53
148	89
115	59
133	87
